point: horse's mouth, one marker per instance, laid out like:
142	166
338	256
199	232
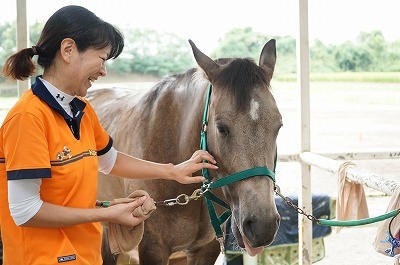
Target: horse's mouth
244	242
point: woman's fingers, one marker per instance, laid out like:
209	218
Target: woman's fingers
201	155
192	180
138	202
123	212
199	160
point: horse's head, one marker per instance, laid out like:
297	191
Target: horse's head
243	125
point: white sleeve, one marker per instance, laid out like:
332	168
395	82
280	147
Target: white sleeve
24	199
107	161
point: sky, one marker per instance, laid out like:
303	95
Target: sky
205	21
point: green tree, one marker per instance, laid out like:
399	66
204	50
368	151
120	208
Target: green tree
322	59
8	39
151	52
391	60
351	57
244	42
8	42
373	43
240	42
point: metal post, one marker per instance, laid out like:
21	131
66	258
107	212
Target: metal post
303	79
22	39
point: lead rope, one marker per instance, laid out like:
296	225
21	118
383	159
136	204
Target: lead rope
326	222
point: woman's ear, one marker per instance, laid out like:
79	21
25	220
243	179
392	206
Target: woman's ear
67	47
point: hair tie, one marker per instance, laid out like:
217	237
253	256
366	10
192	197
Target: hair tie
34	51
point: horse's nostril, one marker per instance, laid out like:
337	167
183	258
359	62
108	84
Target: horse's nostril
248	228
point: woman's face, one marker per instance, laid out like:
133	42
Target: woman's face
87	67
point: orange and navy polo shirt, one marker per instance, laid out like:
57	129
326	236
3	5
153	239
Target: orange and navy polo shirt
38	139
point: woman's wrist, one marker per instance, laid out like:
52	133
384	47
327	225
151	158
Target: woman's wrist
171	172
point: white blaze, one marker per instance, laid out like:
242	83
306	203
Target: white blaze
254	105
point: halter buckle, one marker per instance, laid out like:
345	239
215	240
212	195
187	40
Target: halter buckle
220	239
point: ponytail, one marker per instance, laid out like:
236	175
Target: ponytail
20	65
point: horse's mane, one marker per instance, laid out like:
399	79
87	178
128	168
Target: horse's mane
239	75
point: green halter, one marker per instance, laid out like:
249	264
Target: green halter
217	221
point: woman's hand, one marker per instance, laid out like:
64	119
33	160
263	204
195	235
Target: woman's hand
121	213
183	171
51	215
134	168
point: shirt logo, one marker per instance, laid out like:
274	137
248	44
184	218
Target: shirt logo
61	98
66	258
65	153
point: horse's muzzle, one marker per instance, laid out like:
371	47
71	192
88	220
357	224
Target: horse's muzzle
254	233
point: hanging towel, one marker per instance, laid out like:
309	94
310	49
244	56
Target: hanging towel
351	203
384	243
124	238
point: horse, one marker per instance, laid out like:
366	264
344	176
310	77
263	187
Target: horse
164	125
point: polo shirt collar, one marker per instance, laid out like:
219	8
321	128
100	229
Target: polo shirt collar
41	91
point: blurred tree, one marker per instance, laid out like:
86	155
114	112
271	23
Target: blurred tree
351	57
322	59
391	60
151	52
244	42
148	51
240	42
8	39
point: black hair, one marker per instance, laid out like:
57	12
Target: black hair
75	22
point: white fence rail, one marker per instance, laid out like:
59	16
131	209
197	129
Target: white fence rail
354	174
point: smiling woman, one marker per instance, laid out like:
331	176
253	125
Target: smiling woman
52	146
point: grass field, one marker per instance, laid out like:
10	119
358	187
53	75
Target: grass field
380	77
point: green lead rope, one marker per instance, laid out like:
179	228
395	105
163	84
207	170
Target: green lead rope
365	221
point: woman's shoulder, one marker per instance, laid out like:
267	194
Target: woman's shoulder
28	104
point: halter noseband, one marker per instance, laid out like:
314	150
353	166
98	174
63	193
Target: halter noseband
217	221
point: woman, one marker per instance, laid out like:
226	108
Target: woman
52	145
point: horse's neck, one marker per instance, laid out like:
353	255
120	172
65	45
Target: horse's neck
191	105
179	107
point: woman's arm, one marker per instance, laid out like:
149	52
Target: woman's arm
51	215
131	167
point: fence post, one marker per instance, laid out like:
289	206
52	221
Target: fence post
303	78
22	40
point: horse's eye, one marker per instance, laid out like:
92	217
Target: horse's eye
222	129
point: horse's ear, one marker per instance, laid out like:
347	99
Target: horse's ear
206	63
268	57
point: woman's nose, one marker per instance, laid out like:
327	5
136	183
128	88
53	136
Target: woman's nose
103	69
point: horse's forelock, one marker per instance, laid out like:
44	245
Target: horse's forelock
240	76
